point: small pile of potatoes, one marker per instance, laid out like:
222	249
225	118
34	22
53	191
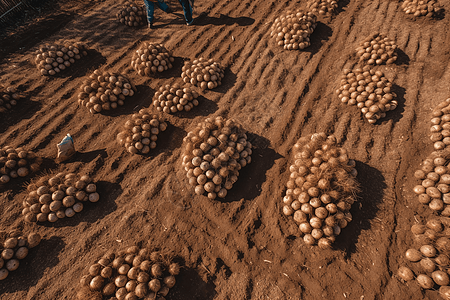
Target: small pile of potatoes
171	99
17	162
293	29
15	249
105	91
434	189
132	14
130	275
8	98
429	260
321	189
52	59
141	132
322	7
377	49
206	74
214	153
57	197
369	90
419	8
151	58
440	125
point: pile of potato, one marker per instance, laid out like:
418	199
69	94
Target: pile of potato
17	162
214	153
434	189
52	59
322	7
369	90
419	8
377	49
440	125
429	257
132	14
293	29
131	274
56	197
321	189
15	249
141	132
206	74
151	58
171	99
8	98
105	91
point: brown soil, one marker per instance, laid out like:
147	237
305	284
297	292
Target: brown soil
243	247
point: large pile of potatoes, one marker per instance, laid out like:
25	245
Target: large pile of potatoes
105	91
151	58
206	74
428	259
434	189
322	7
52	59
440	125
55	197
141	132
14	249
130	275
171	99
132	14
321	189
214	153
17	162
369	90
377	49
293	29
8	98
419	8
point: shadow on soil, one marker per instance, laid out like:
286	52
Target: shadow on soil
190	286
365	209
203	19
252	176
44	256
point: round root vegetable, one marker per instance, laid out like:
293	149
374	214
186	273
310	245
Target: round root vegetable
52	59
141	132
214	153
405	273
17	162
377	49
55	197
434	189
321	189
171	99
205	74
440	127
105	91
369	90
8	98
14	250
151	58
322	7
132	14
150	275
293	29
429	8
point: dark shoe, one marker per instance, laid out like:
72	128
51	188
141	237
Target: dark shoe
150	26
190	23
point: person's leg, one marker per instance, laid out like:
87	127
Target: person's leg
150	10
187	11
163	6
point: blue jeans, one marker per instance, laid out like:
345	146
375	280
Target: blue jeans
151	9
187	10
